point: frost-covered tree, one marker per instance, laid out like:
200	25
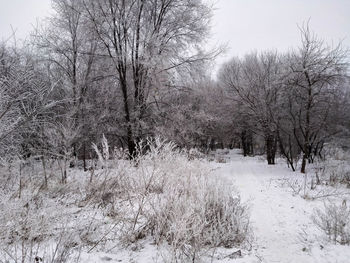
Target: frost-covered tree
68	49
145	40
254	85
24	102
189	117
315	73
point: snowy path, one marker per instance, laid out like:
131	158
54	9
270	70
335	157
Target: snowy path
280	220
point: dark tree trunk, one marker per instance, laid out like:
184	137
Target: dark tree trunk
84	156
306	146
303	165
222	145
212	144
306	157
288	154
270	149
247	143
131	144
250	143
244	143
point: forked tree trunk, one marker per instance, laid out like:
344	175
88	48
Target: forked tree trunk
288	154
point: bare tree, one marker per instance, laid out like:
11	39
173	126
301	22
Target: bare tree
315	72
145	40
254	84
70	51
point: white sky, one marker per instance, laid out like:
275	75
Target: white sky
247	25
244	25
22	15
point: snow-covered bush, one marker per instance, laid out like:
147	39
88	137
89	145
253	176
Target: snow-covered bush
178	202
334	168
103	154
197	213
332	172
166	193
27	224
195	154
120	153
161	194
335	222
59	251
336	151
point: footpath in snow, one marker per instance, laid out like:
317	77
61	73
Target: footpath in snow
282	226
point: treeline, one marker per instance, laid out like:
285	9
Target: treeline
295	102
137	69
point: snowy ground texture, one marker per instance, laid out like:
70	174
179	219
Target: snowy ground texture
281	206
281	219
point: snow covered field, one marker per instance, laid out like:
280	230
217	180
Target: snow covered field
281	208
283	230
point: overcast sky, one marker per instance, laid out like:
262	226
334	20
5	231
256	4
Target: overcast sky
247	25
244	25
21	15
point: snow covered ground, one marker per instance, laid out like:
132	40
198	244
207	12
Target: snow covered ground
281	218
282	225
283	231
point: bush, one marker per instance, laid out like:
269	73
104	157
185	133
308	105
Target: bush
332	172
161	194
335	222
173	198
59	251
181	203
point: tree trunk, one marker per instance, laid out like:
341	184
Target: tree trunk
84	156
244	142
20	181
222	145
131	143
270	149
44	170
306	146
288	154
303	164
247	142
212	144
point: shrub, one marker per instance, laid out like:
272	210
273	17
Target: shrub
180	203
160	194
335	222
170	194
59	251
